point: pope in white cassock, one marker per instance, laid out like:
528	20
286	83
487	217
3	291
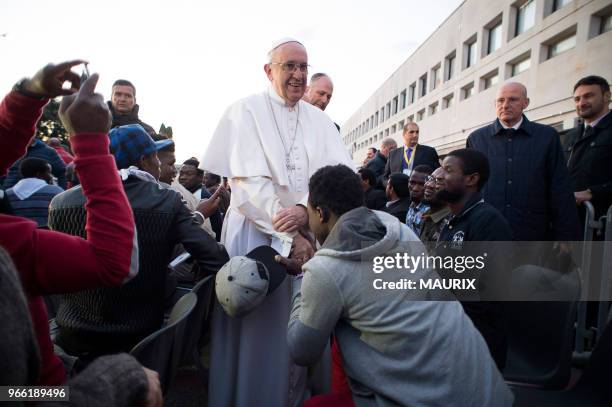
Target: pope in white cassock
268	145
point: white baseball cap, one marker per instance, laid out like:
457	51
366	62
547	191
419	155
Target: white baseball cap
244	281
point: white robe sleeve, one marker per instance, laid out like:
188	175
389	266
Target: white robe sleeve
256	199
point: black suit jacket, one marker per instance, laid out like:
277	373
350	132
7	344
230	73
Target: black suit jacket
377	165
425	155
588	162
375	199
399	209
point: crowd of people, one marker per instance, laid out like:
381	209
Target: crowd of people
99	221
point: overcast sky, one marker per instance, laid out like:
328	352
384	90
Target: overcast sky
190	59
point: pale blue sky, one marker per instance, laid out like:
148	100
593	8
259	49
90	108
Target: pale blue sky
190	59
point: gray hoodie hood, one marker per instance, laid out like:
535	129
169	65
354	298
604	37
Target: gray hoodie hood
361	234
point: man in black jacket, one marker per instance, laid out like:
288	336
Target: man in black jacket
411	154
379	161
472	231
398	195
529	182
373	198
123	106
111	320
590	145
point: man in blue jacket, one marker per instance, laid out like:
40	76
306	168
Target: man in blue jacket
38	149
529	182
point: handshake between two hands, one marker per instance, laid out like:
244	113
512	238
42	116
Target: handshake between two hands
289	220
81	110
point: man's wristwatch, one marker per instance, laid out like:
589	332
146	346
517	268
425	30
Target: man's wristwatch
20	88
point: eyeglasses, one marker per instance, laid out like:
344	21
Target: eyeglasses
432	179
291	66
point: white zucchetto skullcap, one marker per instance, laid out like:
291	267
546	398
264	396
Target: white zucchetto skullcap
282	41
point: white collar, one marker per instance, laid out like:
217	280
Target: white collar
27	187
515	127
594	122
276	98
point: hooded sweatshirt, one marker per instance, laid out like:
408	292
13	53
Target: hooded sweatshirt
399	346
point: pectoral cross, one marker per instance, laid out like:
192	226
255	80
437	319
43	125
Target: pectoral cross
290	166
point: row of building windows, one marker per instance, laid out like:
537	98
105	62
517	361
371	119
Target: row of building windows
524	20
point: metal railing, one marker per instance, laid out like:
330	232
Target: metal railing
606	270
591	227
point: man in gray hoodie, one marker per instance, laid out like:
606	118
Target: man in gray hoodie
399	346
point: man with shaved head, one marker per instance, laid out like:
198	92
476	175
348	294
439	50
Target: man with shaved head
379	161
267	145
529	182
319	91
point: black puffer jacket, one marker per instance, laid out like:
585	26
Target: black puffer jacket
109	320
130	118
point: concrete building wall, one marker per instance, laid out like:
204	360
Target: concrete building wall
549	80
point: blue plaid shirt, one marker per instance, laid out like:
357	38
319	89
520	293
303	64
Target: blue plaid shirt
414	217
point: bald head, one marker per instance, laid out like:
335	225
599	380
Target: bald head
319	91
510	101
513	87
387	145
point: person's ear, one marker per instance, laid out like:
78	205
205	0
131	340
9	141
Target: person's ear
268	71
526	103
606	98
473	180
143	163
323	214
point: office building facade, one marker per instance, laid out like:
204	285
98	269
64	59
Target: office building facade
448	84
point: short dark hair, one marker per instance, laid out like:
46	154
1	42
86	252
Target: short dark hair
125	82
335	187
594	80
195	163
423	169
168	149
373	149
318	75
399	183
29	167
214	177
473	161
368	175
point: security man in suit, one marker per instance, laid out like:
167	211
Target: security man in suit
411	154
590	144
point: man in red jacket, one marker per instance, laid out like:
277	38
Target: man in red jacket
50	262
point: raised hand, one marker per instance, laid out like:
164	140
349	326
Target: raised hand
49	80
85	112
208	206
